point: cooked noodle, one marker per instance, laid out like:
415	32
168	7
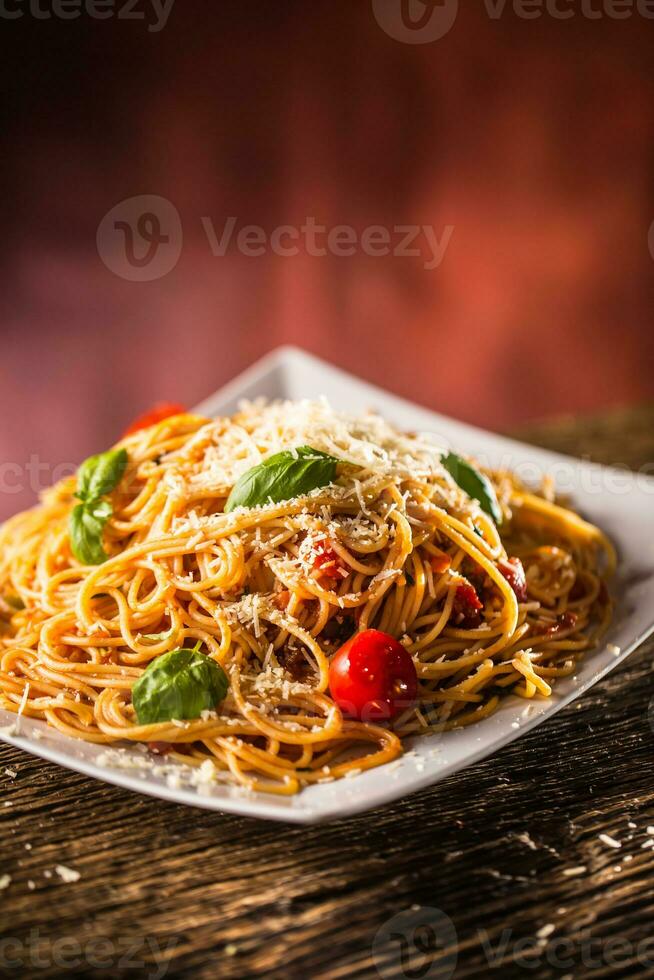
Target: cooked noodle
251	587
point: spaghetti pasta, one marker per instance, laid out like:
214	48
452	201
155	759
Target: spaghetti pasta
270	592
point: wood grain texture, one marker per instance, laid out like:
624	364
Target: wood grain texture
165	888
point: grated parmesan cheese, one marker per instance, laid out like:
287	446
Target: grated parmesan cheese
379	451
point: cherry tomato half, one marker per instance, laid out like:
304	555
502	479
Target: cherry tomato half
372	677
158	412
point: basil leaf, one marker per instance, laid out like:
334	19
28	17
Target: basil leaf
96	477
87	523
178	685
99	475
291	473
475	484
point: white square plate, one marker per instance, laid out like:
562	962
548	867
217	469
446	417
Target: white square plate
619	502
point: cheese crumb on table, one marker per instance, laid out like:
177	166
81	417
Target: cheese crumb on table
67	874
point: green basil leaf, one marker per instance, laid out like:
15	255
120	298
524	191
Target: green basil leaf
291	473
96	477
178	685
87	523
475	484
99	475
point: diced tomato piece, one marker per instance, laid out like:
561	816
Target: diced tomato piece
440	563
564	623
282	599
467	606
513	571
327	561
158	412
163	748
568	621
466	599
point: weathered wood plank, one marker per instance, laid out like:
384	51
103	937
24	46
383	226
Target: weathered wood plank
205	895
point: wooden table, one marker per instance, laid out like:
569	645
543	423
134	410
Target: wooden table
200	894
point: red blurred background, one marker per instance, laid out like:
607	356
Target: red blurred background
532	139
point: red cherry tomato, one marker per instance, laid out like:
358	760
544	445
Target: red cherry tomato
158	412
372	677
513	571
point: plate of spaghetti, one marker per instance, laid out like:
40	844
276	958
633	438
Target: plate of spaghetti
299	606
